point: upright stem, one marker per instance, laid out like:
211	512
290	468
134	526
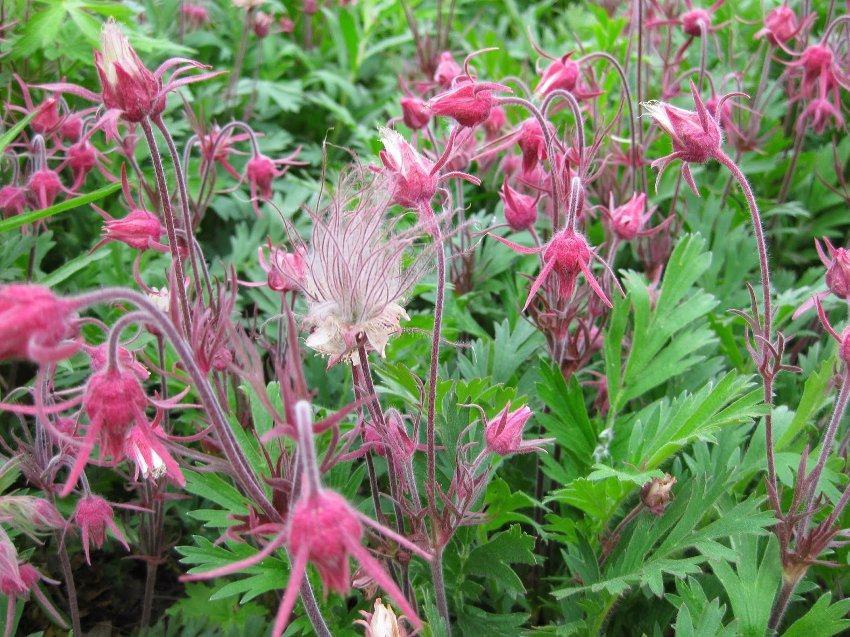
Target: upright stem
431	483
767	327
789	174
240	57
168	216
812	480
188	226
440	588
73	605
783	599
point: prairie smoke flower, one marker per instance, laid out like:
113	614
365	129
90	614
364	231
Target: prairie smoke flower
503	434
140	229
151	457
532	143
261	172
44	186
354	279
128	89
627	221
113	400
412	174
285	270
820	111
414	113
29	514
837	277
696	135
561	74
94	515
520	210
195	15
469	103
381	622
447	70
780	25
322	528
71	129
13	200
566	256
35	324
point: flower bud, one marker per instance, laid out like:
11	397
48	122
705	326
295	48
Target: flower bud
520	210
34	324
410	171
780	25
113	399
657	493
13	200
447	70
468	104
126	84
413	113
560	74
503	434
695	21
72	128
93	516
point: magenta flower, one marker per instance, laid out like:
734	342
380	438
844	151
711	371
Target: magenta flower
128	89
414	112
412	173
13	200
696	135
144	446
140	229
261	171
503	434
94	515
780	25
44	186
35	324
627	221
285	270
520	210
837	277
561	74
566	256
447	70
820	110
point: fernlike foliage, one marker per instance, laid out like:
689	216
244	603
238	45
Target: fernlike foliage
390	319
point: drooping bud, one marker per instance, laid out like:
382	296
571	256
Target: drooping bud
35	324
495	122
72	128
13	200
532	143
520	210
260	172
47	118
627	221
657	493
140	230
695	21
262	24
285	269
695	135
780	25
113	400
468	104
560	74
414	113
44	185
93	516
447	70
411	172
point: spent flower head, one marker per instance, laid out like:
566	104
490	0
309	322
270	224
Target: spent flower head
354	277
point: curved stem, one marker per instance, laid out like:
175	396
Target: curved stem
168	216
764	353
243	472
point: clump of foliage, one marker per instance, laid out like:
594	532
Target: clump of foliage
481	318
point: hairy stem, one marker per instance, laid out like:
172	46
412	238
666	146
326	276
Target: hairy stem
440	588
73	605
168	216
764	352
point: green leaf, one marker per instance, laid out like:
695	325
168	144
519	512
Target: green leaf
9	136
567	420
822	619
474	622
72	267
752	585
215	489
69	204
491	560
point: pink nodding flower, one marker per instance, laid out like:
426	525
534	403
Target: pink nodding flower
47	118
113	400
503	434
195	15
44	185
285	270
413	174
126	358
13	200
128	89
447	70
561	74
627	221
72	128
414	113
94	515
532	143
566	256
780	25
35	324
820	111
495	122
145	448
696	135
140	229
837	277
469	103
520	210
261	172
